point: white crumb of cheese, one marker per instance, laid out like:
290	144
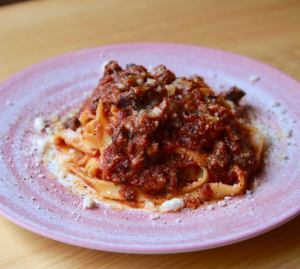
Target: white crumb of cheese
222	203
41	145
88	203
210	207
156	216
39	124
55	164
171	205
178	220
254	78
154	112
48	130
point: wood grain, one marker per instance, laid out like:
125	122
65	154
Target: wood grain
267	30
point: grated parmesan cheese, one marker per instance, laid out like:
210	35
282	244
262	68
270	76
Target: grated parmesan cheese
210	207
171	205
154	112
178	220
254	78
222	203
41	145
39	124
88	203
156	216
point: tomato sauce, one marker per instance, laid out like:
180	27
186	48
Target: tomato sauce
157	113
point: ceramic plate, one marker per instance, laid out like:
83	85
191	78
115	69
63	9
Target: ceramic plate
31	199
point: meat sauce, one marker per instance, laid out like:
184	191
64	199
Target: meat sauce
157	114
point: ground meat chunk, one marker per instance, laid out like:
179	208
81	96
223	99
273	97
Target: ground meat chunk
219	159
111	68
245	158
163	75
234	94
72	123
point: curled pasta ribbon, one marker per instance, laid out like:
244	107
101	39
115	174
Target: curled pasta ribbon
73	139
92	167
101	125
257	140
94	135
89	135
220	190
202	178
109	190
203	175
91	138
103	188
200	159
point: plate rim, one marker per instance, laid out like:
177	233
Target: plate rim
146	250
132	44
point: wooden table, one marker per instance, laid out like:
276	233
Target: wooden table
268	30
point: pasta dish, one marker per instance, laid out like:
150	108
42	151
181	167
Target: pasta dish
157	141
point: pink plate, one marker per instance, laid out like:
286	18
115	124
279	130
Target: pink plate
31	199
